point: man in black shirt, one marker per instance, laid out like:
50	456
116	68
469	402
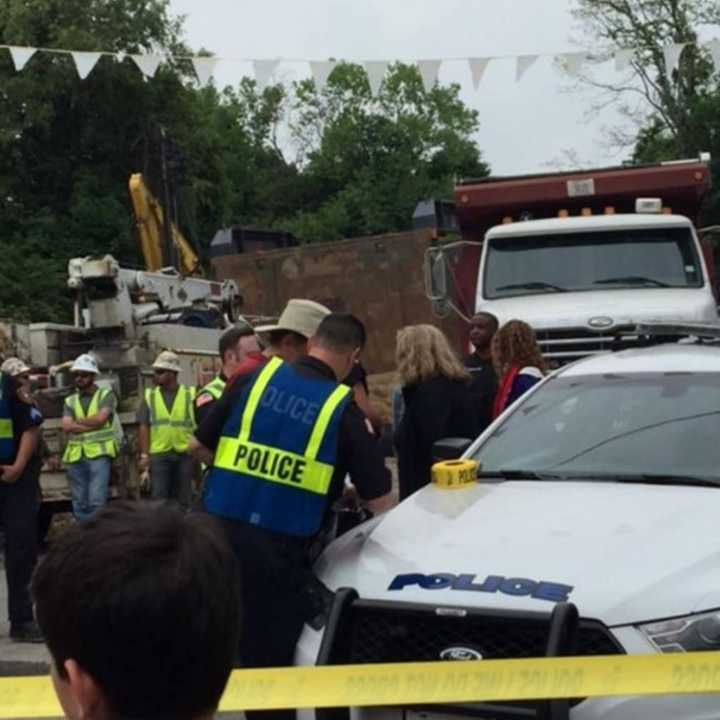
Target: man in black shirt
483	387
19	503
272	490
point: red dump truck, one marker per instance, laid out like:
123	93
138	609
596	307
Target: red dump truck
582	256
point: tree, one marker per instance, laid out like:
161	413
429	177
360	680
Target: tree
368	161
672	115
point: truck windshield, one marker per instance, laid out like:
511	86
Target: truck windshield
631	258
616	427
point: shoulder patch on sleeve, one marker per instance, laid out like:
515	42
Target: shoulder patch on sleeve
203	399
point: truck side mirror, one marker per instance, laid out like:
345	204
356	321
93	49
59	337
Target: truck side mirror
436	274
450	448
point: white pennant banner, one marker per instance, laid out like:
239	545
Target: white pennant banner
524	63
672	57
714	48
85	62
148	64
573	62
375	70
263	72
20	56
321	70
623	58
478	66
429	71
204	69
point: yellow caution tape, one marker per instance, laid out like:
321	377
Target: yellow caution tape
454	474
426	683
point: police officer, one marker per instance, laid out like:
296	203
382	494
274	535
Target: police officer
91	447
166	421
20	463
281	442
236	344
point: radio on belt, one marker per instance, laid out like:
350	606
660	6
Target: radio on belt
455	474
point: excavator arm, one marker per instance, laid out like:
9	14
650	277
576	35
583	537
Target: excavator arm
150	223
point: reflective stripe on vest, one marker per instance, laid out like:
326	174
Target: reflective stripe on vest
253	479
7	441
214	388
93	443
170	431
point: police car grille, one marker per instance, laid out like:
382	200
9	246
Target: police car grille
383	633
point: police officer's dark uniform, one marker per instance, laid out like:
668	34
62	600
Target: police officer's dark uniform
19	503
284	439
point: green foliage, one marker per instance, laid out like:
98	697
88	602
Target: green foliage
68	147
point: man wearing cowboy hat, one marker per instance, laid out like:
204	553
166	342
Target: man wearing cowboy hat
166	420
288	338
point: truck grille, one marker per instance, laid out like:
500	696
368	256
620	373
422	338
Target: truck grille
407	633
568	344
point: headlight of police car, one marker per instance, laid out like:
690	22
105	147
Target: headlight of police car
687	634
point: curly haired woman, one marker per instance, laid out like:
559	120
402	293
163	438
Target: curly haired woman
518	362
436	400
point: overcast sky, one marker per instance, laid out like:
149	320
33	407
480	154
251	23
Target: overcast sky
524	126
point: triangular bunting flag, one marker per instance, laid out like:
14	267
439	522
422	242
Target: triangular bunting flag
573	62
623	58
204	68
429	71
375	70
85	62
714	48
478	66
524	63
148	64
321	71
672	57
20	56
263	71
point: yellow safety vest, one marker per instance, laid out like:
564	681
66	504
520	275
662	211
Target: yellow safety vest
93	443
170	431
214	388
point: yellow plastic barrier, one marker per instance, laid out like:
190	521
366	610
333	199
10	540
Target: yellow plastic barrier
427	683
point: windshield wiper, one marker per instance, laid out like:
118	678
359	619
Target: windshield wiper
519	475
537	285
660	479
632	280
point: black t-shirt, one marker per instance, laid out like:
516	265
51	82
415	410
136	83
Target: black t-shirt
483	387
357	375
25	415
359	454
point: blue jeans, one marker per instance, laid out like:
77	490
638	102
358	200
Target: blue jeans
89	480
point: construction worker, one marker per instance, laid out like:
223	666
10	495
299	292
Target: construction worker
236	345
91	447
288	338
20	462
281	442
166	422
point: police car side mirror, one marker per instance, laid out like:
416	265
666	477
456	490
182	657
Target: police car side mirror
450	448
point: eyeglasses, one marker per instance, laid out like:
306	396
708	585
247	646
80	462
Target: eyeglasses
160	372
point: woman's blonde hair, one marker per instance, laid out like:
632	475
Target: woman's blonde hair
515	345
424	352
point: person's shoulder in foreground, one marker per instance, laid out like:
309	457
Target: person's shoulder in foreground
140	609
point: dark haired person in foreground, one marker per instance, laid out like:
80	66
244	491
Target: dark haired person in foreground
140	609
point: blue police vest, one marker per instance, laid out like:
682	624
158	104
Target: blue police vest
276	457
7	441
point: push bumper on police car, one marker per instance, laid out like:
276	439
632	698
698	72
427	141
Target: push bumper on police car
526	565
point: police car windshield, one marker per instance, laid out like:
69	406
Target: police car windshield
649	427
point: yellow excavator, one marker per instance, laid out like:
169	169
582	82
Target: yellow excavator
150	223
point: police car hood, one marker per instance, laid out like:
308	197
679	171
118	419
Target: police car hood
627	553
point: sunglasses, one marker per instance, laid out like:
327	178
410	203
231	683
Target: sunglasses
83	375
160	372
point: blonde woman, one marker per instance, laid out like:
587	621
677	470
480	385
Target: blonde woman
518	362
436	400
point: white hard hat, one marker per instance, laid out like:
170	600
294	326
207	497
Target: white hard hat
167	360
14	366
85	363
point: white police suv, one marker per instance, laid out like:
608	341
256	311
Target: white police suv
600	488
